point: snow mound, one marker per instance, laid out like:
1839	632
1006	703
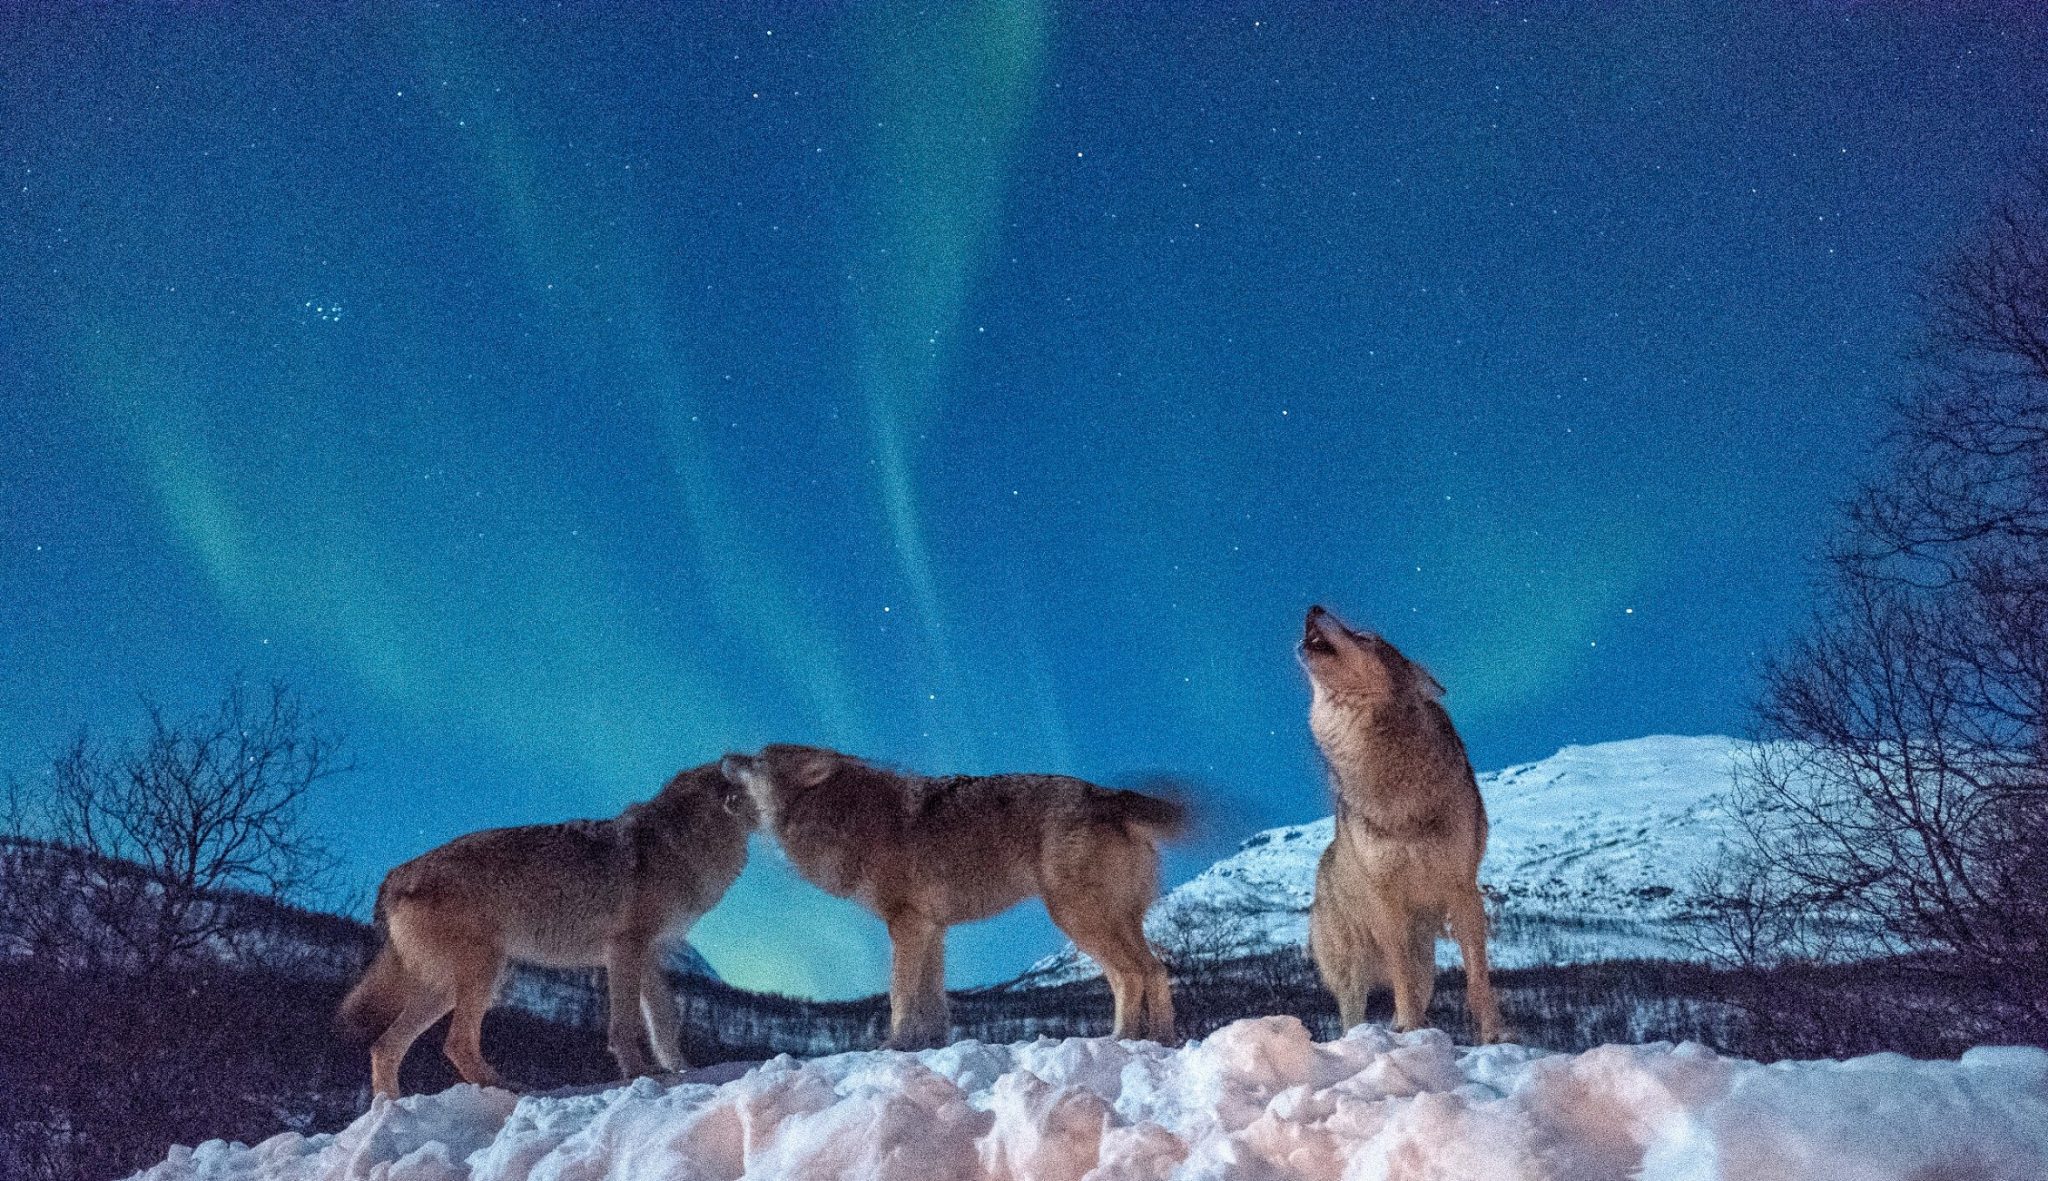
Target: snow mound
1257	1099
1591	856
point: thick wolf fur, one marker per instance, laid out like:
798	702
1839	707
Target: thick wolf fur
1410	831
585	893
925	853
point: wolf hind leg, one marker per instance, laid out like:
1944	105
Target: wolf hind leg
935	1009
1159	1002
423	1005
1108	926
1097	889
1137	982
476	986
443	955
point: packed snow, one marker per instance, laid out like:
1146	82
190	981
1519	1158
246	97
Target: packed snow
1592	856
1257	1099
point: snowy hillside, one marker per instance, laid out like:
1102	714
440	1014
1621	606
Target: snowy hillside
45	882
1255	1099
1591	854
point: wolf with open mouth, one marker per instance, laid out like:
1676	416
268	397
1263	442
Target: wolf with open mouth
1410	830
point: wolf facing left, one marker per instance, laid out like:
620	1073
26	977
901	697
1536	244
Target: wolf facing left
584	893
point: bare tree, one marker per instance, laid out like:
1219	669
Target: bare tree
1202	937
135	947
140	844
1905	792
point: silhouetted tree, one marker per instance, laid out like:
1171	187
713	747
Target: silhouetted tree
134	931
1904	798
140	839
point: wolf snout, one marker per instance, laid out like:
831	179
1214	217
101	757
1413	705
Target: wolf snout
1313	638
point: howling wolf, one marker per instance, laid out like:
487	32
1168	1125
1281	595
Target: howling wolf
925	853
1411	830
579	894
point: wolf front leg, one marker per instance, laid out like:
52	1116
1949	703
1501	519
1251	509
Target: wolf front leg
664	1028
1344	956
1390	927
1468	927
1423	929
627	959
918	1016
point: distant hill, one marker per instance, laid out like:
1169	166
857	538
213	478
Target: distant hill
309	944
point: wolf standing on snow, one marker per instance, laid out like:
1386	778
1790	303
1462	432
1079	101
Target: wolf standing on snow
925	853
581	894
1410	831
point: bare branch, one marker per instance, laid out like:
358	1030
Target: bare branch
145	841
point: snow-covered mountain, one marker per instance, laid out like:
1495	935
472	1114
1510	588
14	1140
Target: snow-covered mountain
1591	856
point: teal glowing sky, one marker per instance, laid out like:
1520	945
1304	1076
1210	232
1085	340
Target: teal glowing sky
561	398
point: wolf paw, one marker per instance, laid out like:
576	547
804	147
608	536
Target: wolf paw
915	1041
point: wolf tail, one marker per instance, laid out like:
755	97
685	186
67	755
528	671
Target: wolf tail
1151	817
374	1003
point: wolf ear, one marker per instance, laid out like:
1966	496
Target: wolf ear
814	768
1425	684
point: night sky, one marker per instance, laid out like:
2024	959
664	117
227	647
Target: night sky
562	397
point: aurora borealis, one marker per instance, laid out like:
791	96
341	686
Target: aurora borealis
561	397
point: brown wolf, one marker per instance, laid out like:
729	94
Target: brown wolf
925	853
579	894
1411	830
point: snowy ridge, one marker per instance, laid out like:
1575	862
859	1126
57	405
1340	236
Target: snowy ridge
310	944
1591	856
1256	1099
